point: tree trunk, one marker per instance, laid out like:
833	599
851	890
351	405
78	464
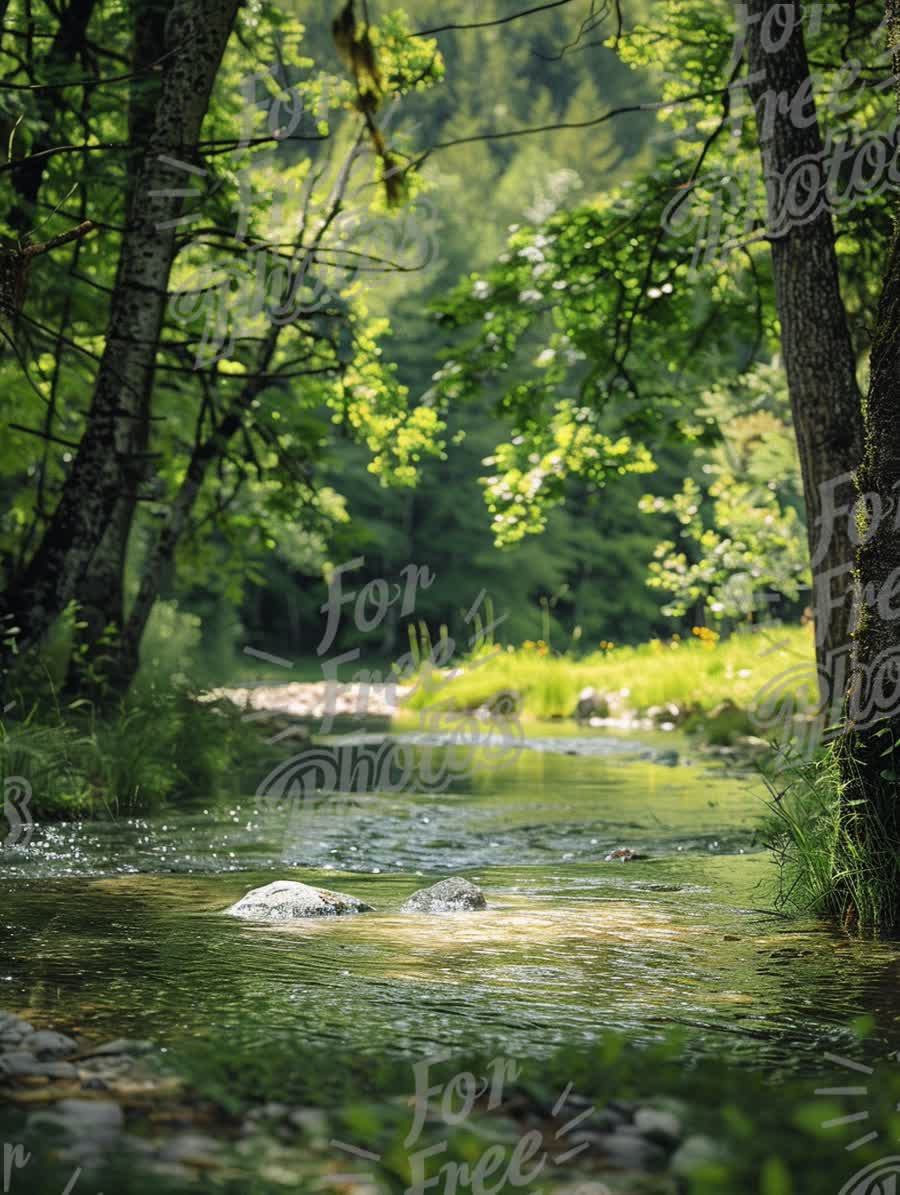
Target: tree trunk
867	884
815	337
106	467
161	556
100	593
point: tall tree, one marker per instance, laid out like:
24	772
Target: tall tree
817	349
100	590
106	466
866	865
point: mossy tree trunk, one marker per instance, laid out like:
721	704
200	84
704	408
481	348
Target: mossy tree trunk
816	344
867	865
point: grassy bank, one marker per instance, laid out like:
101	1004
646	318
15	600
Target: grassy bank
693	675
155	747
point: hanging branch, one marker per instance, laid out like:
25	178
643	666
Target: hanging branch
15	265
74	234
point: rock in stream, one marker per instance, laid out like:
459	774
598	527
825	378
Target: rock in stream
453	895
285	900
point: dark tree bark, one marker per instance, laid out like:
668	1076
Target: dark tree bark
208	451
161	557
106	466
870	749
816	344
100	592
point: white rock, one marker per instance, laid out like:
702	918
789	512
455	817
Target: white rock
285	900
695	1153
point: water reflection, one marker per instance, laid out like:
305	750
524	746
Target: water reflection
116	927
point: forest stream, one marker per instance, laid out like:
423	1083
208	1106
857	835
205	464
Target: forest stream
115	927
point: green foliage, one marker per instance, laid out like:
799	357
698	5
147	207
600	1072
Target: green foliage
47	757
157	746
836	858
767	1131
695	675
741	534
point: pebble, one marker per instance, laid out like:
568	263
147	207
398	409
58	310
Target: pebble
658	1125
630	1151
192	1149
695	1153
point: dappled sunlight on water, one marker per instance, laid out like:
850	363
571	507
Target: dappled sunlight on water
118	927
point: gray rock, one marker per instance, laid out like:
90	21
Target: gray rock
15	1031
56	1070
47	1044
270	1111
667	759
22	1062
285	900
591	704
171	1171
106	1067
90	1122
629	1151
625	1108
453	895
191	1148
696	1153
658	1125
122	1045
605	1120
18	1062
311	1120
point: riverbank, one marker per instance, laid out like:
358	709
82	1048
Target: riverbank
162	746
609	1120
680	681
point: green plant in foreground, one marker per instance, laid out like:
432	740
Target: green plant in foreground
832	861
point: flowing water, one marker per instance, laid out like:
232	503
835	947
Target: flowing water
116	928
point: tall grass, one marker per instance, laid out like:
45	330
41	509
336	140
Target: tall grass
832	862
695	674
158	745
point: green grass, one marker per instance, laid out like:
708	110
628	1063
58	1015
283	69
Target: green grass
157	746
693	675
836	859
